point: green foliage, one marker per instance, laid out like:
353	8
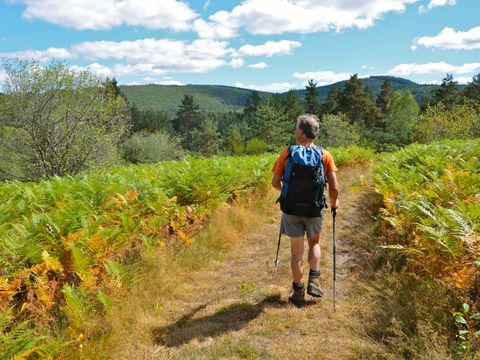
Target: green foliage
312	105
448	93
206	140
234	141
472	90
272	126
437	123
402	113
65	121
385	97
187	120
336	131
150	120
256	146
151	147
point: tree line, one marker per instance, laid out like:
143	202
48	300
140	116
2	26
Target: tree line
58	121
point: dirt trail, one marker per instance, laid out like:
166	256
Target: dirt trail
239	309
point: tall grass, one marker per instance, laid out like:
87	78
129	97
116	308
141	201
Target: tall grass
67	245
431	219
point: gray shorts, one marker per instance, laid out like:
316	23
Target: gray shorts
296	226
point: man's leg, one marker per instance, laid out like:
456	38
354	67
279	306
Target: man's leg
313	287
314	252
297	249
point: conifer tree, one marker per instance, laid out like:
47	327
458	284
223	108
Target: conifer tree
472	90
206	139
447	93
252	103
292	106
385	97
312	105
331	103
187	119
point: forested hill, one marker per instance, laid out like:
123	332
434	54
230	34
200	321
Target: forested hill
221	98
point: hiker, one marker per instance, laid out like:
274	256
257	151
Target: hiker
302	205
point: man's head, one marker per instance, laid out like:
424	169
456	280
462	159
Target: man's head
307	128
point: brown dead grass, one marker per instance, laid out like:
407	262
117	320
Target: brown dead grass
222	298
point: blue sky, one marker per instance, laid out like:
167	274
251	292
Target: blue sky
269	45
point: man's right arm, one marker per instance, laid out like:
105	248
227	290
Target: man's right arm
276	182
333	189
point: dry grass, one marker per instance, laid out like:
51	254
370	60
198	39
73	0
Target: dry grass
222	298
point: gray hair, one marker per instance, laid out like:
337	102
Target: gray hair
309	124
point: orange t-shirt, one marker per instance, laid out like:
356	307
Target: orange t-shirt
327	159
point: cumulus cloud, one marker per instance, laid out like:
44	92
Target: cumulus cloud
322	77
95	68
106	14
259	66
307	16
436	3
159	56
270	48
40	55
275	87
237	63
450	39
431	68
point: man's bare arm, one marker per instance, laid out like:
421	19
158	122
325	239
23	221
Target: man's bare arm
333	189
277	182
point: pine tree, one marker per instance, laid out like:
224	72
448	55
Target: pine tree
252	103
292	106
402	113
187	119
331	103
271	125
447	93
385	97
472	90
206	139
312	105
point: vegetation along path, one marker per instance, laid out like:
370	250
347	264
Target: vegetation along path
198	305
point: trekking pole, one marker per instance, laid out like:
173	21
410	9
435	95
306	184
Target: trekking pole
334	214
277	262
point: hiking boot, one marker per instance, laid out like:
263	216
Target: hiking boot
297	297
313	288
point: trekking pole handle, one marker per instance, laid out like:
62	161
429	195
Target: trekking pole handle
334	212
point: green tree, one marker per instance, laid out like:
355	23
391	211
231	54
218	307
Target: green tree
234	141
146	147
472	90
187	120
312	105
292	106
330	105
385	96
438	123
401	115
447	94
337	131
252	104
206	139
358	105
271	125
62	120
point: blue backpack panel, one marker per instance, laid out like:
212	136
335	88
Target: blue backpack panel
303	183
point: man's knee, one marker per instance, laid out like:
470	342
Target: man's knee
314	240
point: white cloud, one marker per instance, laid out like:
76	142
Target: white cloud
432	68
95	68
306	16
40	55
450	39
436	3
275	87
260	65
237	63
322	77
170	82
270	48
106	14
463	79
160	56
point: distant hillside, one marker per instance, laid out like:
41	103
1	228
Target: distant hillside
421	92
168	97
223	98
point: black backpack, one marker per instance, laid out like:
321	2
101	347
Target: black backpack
304	182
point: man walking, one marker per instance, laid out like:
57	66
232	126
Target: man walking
299	173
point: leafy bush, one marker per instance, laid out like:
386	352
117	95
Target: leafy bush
438	123
336	131
256	146
151	147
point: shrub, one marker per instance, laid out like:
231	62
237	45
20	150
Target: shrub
256	146
151	147
336	131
